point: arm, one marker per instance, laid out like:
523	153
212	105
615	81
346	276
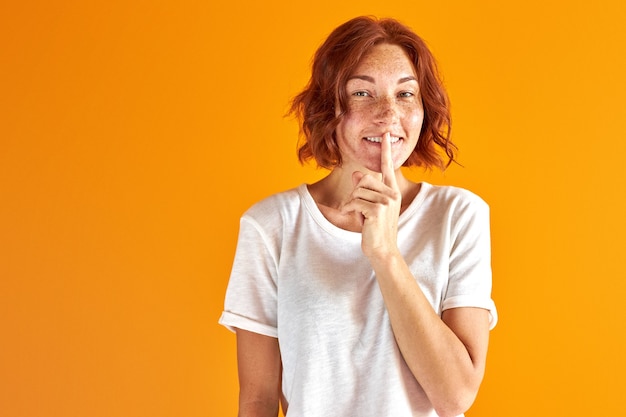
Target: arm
446	355
259	365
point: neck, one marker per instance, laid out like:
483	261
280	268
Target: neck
335	189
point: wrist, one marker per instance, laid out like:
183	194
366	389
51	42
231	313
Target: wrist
385	259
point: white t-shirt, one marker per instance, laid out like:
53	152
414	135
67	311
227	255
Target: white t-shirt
301	279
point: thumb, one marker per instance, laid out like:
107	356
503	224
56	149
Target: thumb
356	177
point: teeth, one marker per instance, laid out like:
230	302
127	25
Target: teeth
378	139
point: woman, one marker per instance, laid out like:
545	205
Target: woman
365	294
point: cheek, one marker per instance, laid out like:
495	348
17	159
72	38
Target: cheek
342	131
414	118
349	123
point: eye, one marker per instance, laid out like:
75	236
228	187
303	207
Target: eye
406	94
360	94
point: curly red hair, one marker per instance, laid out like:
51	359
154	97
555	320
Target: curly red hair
335	61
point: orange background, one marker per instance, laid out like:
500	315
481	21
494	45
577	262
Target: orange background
134	134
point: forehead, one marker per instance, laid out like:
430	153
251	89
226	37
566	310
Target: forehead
385	58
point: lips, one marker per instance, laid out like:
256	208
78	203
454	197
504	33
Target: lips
379	139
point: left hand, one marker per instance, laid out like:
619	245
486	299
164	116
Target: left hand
378	201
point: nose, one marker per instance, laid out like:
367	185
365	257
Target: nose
386	111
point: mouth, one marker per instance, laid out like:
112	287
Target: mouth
379	139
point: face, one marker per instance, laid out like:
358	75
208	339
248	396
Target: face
383	96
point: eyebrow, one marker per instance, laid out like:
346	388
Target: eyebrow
371	79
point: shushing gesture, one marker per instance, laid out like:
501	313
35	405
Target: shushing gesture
378	201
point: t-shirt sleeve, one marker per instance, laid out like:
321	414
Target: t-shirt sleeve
251	301
470	259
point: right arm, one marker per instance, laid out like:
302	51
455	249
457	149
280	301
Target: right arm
259	365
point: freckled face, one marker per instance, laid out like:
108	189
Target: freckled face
383	96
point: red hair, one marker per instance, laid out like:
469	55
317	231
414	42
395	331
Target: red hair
335	61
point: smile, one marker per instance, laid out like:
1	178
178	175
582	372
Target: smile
378	139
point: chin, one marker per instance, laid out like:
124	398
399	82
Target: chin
373	168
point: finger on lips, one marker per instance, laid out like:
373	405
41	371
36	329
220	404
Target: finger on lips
386	161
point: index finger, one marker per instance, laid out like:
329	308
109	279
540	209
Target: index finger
386	162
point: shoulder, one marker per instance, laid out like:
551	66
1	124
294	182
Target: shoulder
274	207
452	197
